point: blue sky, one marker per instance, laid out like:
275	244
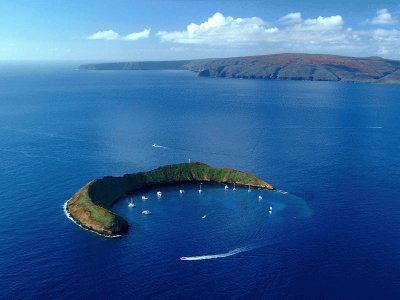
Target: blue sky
181	29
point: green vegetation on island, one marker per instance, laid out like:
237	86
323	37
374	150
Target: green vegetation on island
91	206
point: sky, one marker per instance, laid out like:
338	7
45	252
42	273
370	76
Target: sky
121	30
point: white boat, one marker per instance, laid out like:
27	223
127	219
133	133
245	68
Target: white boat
226	187
146	212
159	194
249	190
200	189
181	191
203	217
270	212
131	204
154	145
144	198
234	187
260	197
270	208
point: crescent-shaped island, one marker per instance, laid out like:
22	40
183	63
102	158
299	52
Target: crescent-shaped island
90	207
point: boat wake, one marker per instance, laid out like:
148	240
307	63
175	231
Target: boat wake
159	146
221	255
282	192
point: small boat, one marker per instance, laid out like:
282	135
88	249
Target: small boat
226	187
159	194
270	212
146	212
249	190
234	187
203	217
181	192
144	198
260	197
270	208
158	146
200	189
131	204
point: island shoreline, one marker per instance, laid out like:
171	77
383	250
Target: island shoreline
68	215
91	206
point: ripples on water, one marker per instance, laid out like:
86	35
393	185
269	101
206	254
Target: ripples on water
333	147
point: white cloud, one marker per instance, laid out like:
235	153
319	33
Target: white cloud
320	23
384	42
291	33
134	36
291	18
293	30
110	35
383	17
104	35
323	23
220	29
383	35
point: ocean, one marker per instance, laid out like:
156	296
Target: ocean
332	149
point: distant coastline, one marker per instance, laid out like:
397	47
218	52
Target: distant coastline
287	66
90	207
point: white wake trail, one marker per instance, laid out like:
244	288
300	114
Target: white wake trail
282	192
221	255
159	146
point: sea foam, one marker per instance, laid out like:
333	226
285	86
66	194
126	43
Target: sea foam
68	215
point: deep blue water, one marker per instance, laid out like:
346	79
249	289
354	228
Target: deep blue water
333	146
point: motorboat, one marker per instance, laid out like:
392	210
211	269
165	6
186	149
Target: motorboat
144	198
159	194
146	212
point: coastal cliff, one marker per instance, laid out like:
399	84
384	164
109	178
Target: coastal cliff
90	207
286	66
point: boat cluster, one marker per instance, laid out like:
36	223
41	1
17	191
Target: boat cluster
159	195
145	212
248	190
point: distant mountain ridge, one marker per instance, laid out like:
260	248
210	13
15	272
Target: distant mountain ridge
287	66
139	65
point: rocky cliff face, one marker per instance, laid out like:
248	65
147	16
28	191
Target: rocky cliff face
301	67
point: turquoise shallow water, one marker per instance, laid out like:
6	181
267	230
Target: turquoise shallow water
332	146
